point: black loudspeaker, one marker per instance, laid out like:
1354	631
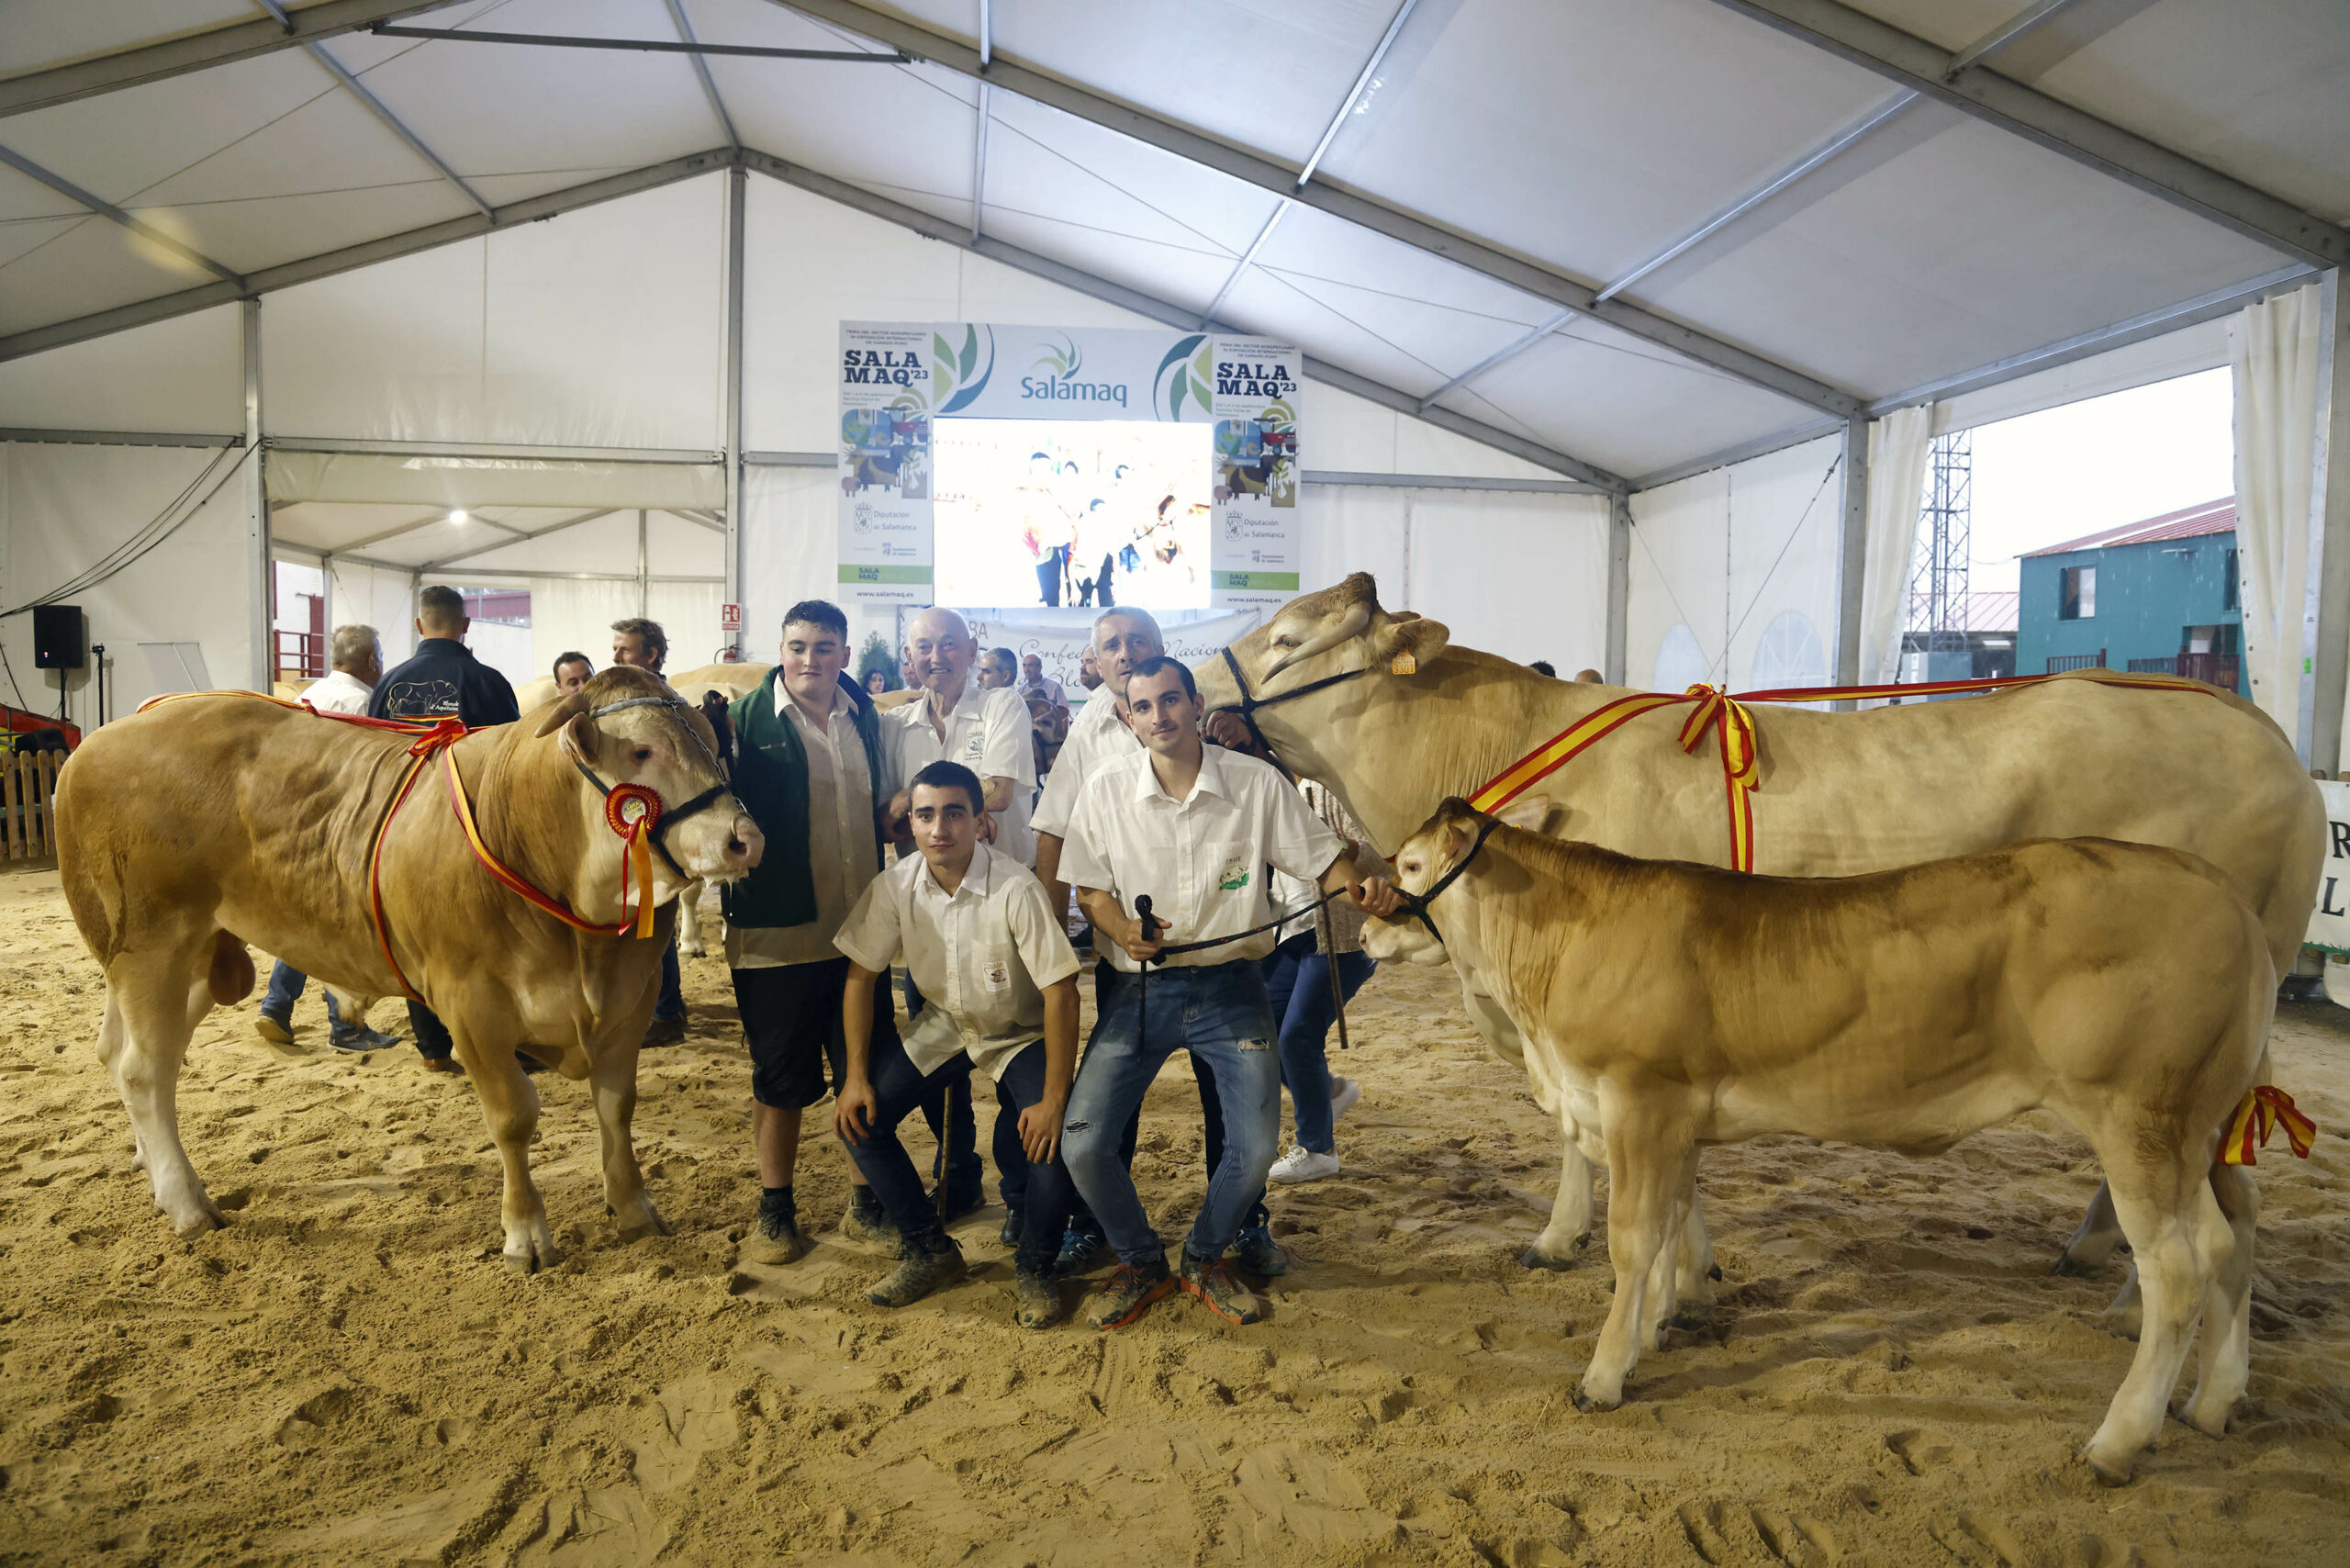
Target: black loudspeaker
56	636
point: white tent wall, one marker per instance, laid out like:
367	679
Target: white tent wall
185	376
2277	348
570	614
63	508
1733	575
370	596
602	328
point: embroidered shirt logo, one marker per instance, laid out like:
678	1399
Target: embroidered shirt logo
1234	877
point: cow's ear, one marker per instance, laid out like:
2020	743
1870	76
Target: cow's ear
1404	645
1530	813
578	739
554	715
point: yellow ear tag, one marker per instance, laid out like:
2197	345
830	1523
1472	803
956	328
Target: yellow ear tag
1403	664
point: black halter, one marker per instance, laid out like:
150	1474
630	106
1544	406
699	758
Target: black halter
1418	903
1249	702
668	816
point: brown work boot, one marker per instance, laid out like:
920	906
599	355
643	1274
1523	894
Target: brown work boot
775	1236
1127	1294
1214	1283
1039	1301
919	1271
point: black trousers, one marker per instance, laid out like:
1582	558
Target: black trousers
432	1039
900	1089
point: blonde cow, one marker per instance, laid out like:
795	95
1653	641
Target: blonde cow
2124	987
1840	793
199	825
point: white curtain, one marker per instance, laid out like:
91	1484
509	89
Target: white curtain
1898	445
570	613
2275	347
689	613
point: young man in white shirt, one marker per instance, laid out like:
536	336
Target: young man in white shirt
358	655
1193	827
807	767
998	984
985	730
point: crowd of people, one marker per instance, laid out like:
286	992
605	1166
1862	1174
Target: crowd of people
948	829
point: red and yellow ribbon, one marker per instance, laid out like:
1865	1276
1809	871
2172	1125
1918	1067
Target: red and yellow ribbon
1741	771
2264	1109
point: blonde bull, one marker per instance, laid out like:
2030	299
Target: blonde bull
2126	988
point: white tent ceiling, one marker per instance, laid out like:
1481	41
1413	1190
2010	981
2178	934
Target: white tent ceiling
1494	162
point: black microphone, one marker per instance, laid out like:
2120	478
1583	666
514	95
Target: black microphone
1142	913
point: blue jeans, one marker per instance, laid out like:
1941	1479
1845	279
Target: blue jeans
285	983
1221	1015
1298	980
672	1005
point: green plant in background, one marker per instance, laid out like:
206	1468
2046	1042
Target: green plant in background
876	654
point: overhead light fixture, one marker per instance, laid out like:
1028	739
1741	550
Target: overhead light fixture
458	514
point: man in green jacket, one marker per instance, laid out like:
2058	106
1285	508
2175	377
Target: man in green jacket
809	767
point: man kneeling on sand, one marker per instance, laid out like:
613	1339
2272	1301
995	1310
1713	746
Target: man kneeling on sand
992	963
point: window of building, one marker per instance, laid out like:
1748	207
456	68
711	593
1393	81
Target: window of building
2076	599
2230	602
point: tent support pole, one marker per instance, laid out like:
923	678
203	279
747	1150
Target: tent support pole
1852	554
2325	620
1619	588
643	568
257	671
738	185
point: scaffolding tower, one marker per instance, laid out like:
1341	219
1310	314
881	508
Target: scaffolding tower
1938	607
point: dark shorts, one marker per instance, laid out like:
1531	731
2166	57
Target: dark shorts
792	1021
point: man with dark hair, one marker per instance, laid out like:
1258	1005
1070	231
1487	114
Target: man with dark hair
441	681
1544	667
997	669
358	655
809	769
571	672
642	644
639	642
1239	814
998	984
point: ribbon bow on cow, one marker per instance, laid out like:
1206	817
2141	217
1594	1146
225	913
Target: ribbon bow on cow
2264	1109
1739	773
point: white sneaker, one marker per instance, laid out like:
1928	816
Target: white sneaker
1344	1092
1302	1164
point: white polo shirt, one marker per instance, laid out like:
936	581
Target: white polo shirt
981	956
1096	732
1203	858
989	734
339	693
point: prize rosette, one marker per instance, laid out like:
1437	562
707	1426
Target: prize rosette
633	811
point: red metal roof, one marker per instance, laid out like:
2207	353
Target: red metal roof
1984	610
2211	517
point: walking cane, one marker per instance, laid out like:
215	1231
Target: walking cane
958	1096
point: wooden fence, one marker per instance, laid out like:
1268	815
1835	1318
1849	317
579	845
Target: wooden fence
28	803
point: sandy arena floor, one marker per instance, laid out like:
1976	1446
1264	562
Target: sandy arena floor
348	1375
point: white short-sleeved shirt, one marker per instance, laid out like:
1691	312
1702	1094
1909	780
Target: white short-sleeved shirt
987	733
339	693
1043	686
1203	858
981	956
1098	731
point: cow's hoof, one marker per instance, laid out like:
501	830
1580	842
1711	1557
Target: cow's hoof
649	1223
2204	1421
1535	1256
2107	1475
207	1218
531	1262
2071	1267
1692	1319
1590	1406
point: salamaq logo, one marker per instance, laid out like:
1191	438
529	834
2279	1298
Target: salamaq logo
882	367
1253	378
1061	385
1052	388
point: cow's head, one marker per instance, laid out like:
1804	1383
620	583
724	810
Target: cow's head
626	726
1431	858
1339	632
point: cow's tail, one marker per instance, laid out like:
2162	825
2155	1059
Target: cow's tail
230	977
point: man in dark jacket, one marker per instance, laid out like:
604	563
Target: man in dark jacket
442	680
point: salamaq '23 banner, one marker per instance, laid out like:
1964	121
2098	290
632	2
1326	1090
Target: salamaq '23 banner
897	376
885	514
